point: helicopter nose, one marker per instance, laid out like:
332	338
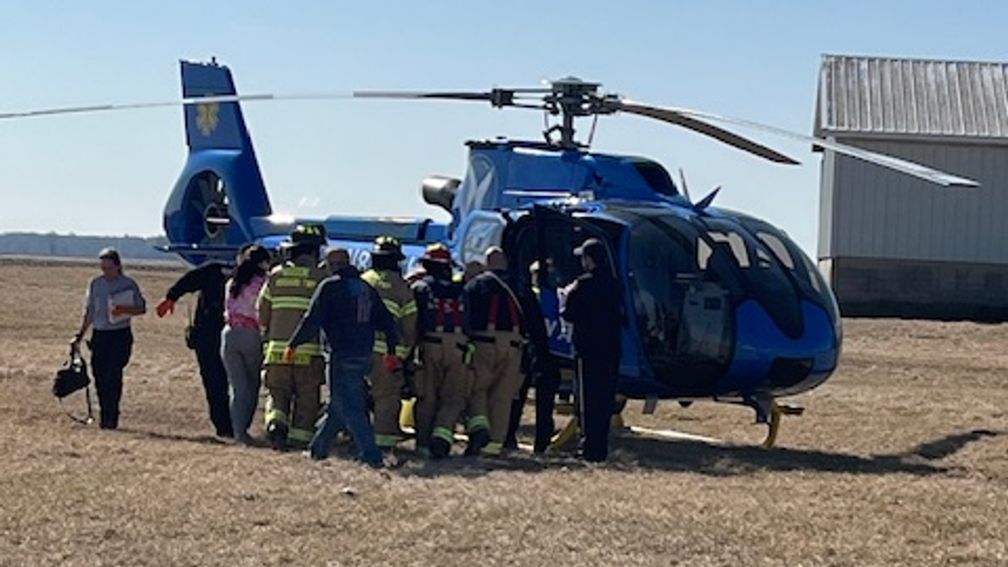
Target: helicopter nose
768	359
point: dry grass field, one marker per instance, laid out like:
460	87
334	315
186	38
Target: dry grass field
902	458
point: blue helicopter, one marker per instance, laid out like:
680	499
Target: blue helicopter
720	305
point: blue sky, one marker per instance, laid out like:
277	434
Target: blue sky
110	173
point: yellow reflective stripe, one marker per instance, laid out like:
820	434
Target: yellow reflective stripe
300	358
300	435
380	347
296	271
276	416
386	441
274	347
288	282
492	449
273	353
392	306
402	351
288	302
443	433
477	422
408	309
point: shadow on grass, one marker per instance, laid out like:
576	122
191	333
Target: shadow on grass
635	452
950	444
159	436
632	452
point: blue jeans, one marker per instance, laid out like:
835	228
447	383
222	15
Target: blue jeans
347	410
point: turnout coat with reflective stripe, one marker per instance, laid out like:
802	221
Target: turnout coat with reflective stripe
282	302
395	293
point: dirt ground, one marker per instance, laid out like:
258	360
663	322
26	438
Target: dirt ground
901	458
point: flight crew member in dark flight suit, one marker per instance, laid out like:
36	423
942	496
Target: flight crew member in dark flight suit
207	281
593	307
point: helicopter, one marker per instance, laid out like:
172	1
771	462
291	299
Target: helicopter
719	304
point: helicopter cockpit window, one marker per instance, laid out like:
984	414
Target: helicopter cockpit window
778	248
764	278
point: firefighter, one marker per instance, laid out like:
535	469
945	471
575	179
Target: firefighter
442	376
292	404
493	323
385	276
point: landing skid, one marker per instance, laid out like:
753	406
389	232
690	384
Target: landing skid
768	411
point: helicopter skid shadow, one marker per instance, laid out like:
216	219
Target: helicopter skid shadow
636	451
631	452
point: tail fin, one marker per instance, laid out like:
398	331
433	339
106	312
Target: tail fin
220	191
213	125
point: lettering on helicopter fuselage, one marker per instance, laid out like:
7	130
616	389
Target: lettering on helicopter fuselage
360	256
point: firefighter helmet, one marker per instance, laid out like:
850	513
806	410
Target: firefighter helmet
388	246
437	253
306	234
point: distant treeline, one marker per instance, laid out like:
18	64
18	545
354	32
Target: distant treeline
73	246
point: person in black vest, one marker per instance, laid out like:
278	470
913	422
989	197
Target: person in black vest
208	281
593	308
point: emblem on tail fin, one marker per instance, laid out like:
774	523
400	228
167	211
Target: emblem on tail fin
206	117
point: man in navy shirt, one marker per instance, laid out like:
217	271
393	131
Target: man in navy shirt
348	311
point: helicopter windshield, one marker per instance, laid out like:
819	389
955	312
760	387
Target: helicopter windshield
686	277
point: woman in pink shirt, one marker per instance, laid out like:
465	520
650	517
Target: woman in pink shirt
241	342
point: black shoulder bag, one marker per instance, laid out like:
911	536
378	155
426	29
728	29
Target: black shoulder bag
73	376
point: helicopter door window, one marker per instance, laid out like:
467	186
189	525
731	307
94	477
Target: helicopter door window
481	233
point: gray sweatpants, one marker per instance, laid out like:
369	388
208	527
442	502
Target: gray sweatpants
241	350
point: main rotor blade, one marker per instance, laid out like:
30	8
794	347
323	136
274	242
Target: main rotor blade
219	99
905	166
445	95
674	116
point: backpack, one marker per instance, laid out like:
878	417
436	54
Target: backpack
73	376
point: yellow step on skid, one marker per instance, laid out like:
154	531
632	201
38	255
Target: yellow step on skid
777	411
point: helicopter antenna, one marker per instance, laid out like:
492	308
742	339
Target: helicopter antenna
682	182
706	201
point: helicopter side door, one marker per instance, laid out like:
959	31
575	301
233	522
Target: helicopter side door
548	237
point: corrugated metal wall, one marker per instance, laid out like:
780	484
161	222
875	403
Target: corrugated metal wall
867	211
885	95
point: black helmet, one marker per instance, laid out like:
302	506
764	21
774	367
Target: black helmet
388	246
307	235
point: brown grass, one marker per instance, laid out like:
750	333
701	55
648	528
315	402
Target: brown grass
902	458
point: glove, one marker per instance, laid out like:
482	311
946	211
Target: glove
288	356
391	362
165	307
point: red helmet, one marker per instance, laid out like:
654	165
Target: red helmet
437	253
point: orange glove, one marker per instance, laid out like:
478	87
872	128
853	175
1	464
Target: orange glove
391	362
165	307
289	355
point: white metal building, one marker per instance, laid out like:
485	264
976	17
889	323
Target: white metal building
893	245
